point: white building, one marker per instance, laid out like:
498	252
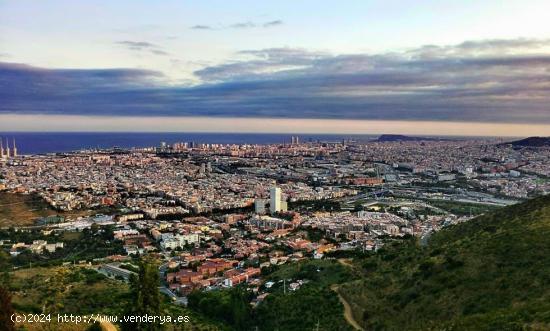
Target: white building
179	241
274	200
446	177
171	243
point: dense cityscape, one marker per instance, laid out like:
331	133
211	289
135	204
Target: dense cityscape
221	215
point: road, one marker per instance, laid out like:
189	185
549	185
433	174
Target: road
165	290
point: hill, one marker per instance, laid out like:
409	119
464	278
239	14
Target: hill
491	273
531	142
399	137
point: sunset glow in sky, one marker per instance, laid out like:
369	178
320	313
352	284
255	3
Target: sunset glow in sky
437	67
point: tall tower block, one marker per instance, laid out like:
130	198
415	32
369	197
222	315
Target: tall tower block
274	200
7	148
14	149
1	148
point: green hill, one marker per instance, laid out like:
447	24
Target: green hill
491	273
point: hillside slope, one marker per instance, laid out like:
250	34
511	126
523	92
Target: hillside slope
399	137
531	142
492	273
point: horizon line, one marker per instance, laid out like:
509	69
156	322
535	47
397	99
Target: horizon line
200	124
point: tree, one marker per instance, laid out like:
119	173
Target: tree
230	305
240	308
94	228
5	267
95	327
108	232
145	297
6	310
4	261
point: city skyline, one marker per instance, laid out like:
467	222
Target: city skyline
435	68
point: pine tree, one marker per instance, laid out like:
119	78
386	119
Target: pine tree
240	308
145	297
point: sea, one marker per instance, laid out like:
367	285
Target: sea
55	142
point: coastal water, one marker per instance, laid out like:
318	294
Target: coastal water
51	142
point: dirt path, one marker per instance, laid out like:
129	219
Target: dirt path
346	262
108	326
348	315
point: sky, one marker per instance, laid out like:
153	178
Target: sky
395	66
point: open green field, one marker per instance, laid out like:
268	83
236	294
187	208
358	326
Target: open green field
462	208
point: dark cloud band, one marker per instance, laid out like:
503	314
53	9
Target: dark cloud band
493	81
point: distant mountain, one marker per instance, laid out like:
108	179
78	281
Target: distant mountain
531	142
399	137
490	273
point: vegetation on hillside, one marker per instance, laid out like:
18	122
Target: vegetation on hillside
491	273
144	296
85	245
6	310
75	290
83	291
231	306
314	305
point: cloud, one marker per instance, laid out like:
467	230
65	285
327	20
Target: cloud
272	23
239	25
495	81
27	89
260	62
142	46
201	27
243	25
482	47
137	45
159	52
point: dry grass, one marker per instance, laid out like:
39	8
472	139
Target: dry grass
24	209
21	209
